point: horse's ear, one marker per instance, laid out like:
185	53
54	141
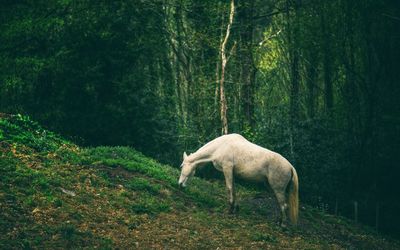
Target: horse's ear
184	155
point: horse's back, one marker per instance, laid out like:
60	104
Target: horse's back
246	158
250	160
231	138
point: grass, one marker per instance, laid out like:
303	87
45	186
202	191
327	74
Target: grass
54	194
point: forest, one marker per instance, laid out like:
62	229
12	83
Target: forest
317	81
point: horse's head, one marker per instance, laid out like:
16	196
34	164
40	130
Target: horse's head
187	170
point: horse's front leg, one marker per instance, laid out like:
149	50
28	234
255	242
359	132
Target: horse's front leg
230	186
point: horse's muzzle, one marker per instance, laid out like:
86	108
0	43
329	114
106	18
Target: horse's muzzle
182	184
182	181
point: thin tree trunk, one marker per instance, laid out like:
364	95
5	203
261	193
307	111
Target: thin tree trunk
173	64
356	211
181	76
294	73
311	83
328	95
224	107
218	71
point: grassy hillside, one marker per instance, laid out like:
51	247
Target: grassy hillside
54	194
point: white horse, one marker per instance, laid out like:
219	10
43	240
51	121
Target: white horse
234	155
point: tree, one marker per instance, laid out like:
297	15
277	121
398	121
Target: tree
224	61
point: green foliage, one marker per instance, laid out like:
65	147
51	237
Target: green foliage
20	129
264	237
8	165
67	231
129	159
136	162
141	184
148	204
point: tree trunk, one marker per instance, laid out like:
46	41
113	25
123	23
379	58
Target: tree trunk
224	107
294	73
217	70
328	92
311	83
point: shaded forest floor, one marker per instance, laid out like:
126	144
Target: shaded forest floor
54	194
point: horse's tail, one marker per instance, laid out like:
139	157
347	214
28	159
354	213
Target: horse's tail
293	198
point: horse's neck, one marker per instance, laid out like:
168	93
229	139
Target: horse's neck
203	155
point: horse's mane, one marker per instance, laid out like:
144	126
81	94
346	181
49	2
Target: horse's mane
211	146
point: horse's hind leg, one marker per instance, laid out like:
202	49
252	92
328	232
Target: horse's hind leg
279	187
278	180
280	196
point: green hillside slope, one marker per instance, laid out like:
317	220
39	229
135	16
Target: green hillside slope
54	194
